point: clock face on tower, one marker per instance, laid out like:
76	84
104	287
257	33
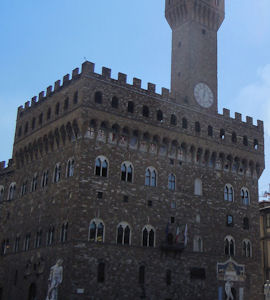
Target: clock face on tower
203	95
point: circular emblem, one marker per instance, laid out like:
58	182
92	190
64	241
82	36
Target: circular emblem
203	95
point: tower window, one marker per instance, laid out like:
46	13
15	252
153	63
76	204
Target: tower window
66	103
75	98
245	196
123	234
229	221
229	248
246	223
57	109
255	144
245	140
49	113
101	272
33	123
234	138
101	166
151	177
26	128
115	102
173	120
171	183
142	275
159	115
184	123
40	119
247	250
98	97
228	193
126	172
96	231
148	236
222	134
145	111
130	107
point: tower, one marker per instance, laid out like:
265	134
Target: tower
194	26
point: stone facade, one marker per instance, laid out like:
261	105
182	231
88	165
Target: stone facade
191	180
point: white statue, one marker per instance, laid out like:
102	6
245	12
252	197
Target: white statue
228	290
55	279
267	290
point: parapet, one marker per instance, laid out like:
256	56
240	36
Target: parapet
88	70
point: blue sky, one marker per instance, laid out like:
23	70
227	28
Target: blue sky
43	40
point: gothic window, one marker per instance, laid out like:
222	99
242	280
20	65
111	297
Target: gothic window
4	246
40	119
101	272
255	144
45	178
234	138
1	193
159	115
64	232
38	239
198	187
11	191
173	120
246	223
75	98
145	111
57	173
70	168
115	102
24	188
127	172
245	196
184	123
57	108
66	103
171	183
197	244
247	249
148	236
98	97
26	245
101	166
130	107
123	234
229	246
33	123
34	183
142	275
49	112
96	231
50	236
245	140
17	244
168	277
210	130
222	134
228	193
151	176
197	127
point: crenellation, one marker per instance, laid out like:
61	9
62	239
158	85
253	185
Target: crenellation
33	101
226	113
26	104
151	87
49	91
137	83
88	67
249	120
41	96
122	78
75	73
260	125
165	93
106	72
57	85
238	116
2	164
10	162
65	79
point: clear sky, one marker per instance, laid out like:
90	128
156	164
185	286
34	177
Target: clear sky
43	40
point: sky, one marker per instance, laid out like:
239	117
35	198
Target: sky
41	41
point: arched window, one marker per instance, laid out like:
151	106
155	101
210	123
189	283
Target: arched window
96	231
98	97
198	187
247	249
101	272
148	236
197	127
210	130
184	123
234	138
45	178
1	193
126	171
50	236
171	183
222	134
229	246
197	244
115	102
245	223
245	140
123	234
24	188
159	115
245	196
70	167
145	111
255	144
57	173
173	120
151	176
11	191
130	107
34	183
64	232
228	193
101	166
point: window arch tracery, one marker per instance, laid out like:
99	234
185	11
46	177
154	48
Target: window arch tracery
228	193
101	166
123	234
148	236
151	177
127	171
96	231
